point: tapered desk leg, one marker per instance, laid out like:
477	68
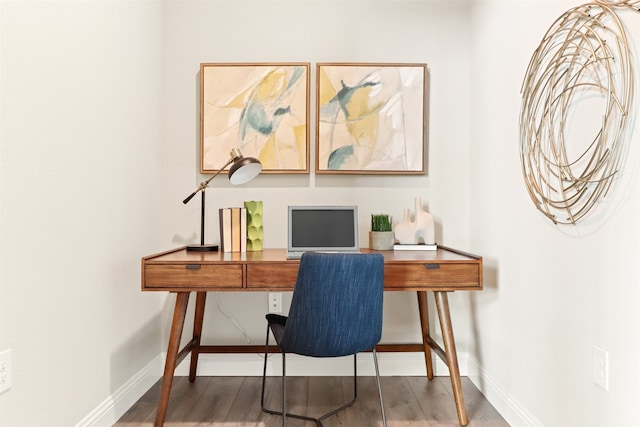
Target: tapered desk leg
424	323
442	303
201	299
179	312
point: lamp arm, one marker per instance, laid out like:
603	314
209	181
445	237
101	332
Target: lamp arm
204	184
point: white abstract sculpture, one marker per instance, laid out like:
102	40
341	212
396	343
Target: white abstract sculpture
410	232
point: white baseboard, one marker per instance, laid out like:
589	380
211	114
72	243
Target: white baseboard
508	406
115	405
390	364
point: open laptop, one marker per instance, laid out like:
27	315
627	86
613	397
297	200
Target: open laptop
322	229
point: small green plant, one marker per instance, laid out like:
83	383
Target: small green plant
380	222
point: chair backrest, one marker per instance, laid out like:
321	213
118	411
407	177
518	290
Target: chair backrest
336	308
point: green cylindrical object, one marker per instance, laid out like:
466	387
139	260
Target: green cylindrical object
255	232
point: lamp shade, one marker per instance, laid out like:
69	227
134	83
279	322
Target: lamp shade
244	169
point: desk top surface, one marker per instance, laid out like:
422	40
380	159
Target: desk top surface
180	255
177	270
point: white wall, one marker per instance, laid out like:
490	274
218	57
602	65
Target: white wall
551	292
81	179
317	31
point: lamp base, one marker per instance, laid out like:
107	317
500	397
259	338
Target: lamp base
202	248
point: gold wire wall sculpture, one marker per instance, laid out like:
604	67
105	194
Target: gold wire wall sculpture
568	164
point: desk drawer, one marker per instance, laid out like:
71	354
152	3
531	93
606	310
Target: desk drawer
272	276
443	276
193	275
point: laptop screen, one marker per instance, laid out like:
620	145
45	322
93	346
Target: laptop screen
323	228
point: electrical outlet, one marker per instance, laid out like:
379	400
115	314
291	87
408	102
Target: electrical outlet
600	367
275	302
5	371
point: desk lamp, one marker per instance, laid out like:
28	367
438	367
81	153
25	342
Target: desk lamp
243	169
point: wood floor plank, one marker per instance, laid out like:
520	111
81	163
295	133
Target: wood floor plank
401	404
215	402
366	411
297	392
435	400
235	402
184	396
245	410
325	395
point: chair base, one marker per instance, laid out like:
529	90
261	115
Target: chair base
318	420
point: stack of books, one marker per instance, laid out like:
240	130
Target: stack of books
233	229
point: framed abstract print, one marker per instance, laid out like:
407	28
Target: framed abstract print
261	109
371	118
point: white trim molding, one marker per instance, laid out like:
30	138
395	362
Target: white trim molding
508	406
114	406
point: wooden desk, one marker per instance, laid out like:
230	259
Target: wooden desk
442	271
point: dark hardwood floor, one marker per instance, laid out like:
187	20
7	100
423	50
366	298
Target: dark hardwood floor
235	402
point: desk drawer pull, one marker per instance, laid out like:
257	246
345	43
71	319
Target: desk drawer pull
432	266
193	266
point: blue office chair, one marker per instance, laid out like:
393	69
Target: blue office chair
336	310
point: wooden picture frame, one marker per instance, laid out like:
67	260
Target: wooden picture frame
261	109
371	118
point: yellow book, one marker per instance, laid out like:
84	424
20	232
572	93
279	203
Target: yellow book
235	230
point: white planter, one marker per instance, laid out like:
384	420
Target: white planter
381	240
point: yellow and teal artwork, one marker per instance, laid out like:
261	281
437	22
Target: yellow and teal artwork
370	118
261	109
